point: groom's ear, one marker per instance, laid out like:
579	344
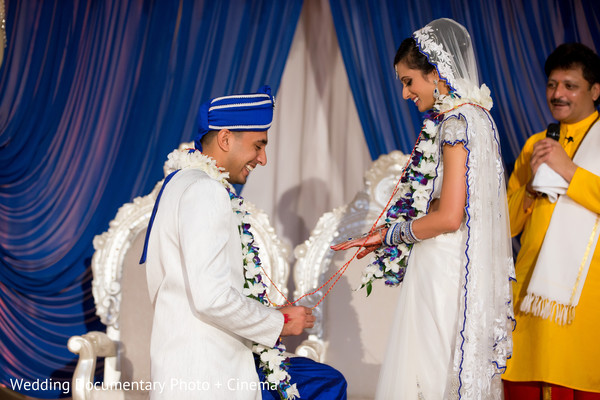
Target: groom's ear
224	138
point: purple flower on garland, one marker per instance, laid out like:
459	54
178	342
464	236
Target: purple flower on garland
394	211
392	251
434	116
392	281
419	177
416	158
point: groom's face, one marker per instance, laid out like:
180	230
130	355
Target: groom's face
247	150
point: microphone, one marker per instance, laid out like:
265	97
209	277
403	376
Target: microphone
553	131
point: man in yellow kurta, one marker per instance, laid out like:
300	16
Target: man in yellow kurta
551	358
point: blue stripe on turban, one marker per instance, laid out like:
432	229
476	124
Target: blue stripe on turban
241	112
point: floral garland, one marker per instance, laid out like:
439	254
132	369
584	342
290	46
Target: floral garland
273	361
415	188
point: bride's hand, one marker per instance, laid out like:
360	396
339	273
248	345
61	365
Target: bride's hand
370	242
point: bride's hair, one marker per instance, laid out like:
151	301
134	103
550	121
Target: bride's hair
409	54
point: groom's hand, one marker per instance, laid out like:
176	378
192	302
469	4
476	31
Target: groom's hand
298	318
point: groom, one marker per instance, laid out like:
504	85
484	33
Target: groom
203	273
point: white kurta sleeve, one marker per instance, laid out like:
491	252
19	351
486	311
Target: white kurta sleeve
205	231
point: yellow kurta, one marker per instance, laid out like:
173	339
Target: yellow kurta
544	351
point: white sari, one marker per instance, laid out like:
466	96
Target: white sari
424	332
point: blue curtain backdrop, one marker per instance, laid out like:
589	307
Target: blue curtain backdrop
93	96
512	39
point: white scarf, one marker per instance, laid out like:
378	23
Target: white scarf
567	250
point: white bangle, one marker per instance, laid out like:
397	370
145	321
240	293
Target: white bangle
406	233
400	232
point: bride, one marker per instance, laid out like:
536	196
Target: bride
446	237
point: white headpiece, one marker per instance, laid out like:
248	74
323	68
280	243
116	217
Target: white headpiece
447	45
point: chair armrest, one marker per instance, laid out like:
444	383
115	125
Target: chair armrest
313	348
89	347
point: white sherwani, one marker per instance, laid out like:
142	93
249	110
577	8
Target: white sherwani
203	325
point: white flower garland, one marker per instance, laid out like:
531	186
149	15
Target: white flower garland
415	188
272	359
181	159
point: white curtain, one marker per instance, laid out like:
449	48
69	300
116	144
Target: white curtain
317	153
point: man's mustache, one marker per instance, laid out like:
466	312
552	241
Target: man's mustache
556	102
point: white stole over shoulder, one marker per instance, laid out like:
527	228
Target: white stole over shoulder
566	253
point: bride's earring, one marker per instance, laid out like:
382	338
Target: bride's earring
436	91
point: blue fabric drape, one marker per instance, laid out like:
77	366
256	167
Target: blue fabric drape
313	380
512	40
93	96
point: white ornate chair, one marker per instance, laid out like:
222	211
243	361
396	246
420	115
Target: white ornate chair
123	304
352	330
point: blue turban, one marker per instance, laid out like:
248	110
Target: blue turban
241	112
